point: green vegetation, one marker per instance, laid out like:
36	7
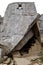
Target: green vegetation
41	58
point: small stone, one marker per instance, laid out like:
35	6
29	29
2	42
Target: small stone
7	61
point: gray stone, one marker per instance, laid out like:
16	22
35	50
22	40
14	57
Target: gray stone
0	53
40	23
18	20
1	23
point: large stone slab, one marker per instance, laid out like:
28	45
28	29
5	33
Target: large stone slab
18	20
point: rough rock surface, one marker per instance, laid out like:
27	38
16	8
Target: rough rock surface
16	28
17	21
40	23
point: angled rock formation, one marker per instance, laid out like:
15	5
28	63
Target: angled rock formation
19	25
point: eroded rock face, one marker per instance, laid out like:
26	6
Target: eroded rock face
18	19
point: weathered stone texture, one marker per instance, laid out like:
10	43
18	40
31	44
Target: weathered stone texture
40	23
18	19
19	33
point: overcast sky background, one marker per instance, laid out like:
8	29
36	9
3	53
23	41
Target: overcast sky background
4	4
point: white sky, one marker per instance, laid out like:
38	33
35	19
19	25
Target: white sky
4	4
